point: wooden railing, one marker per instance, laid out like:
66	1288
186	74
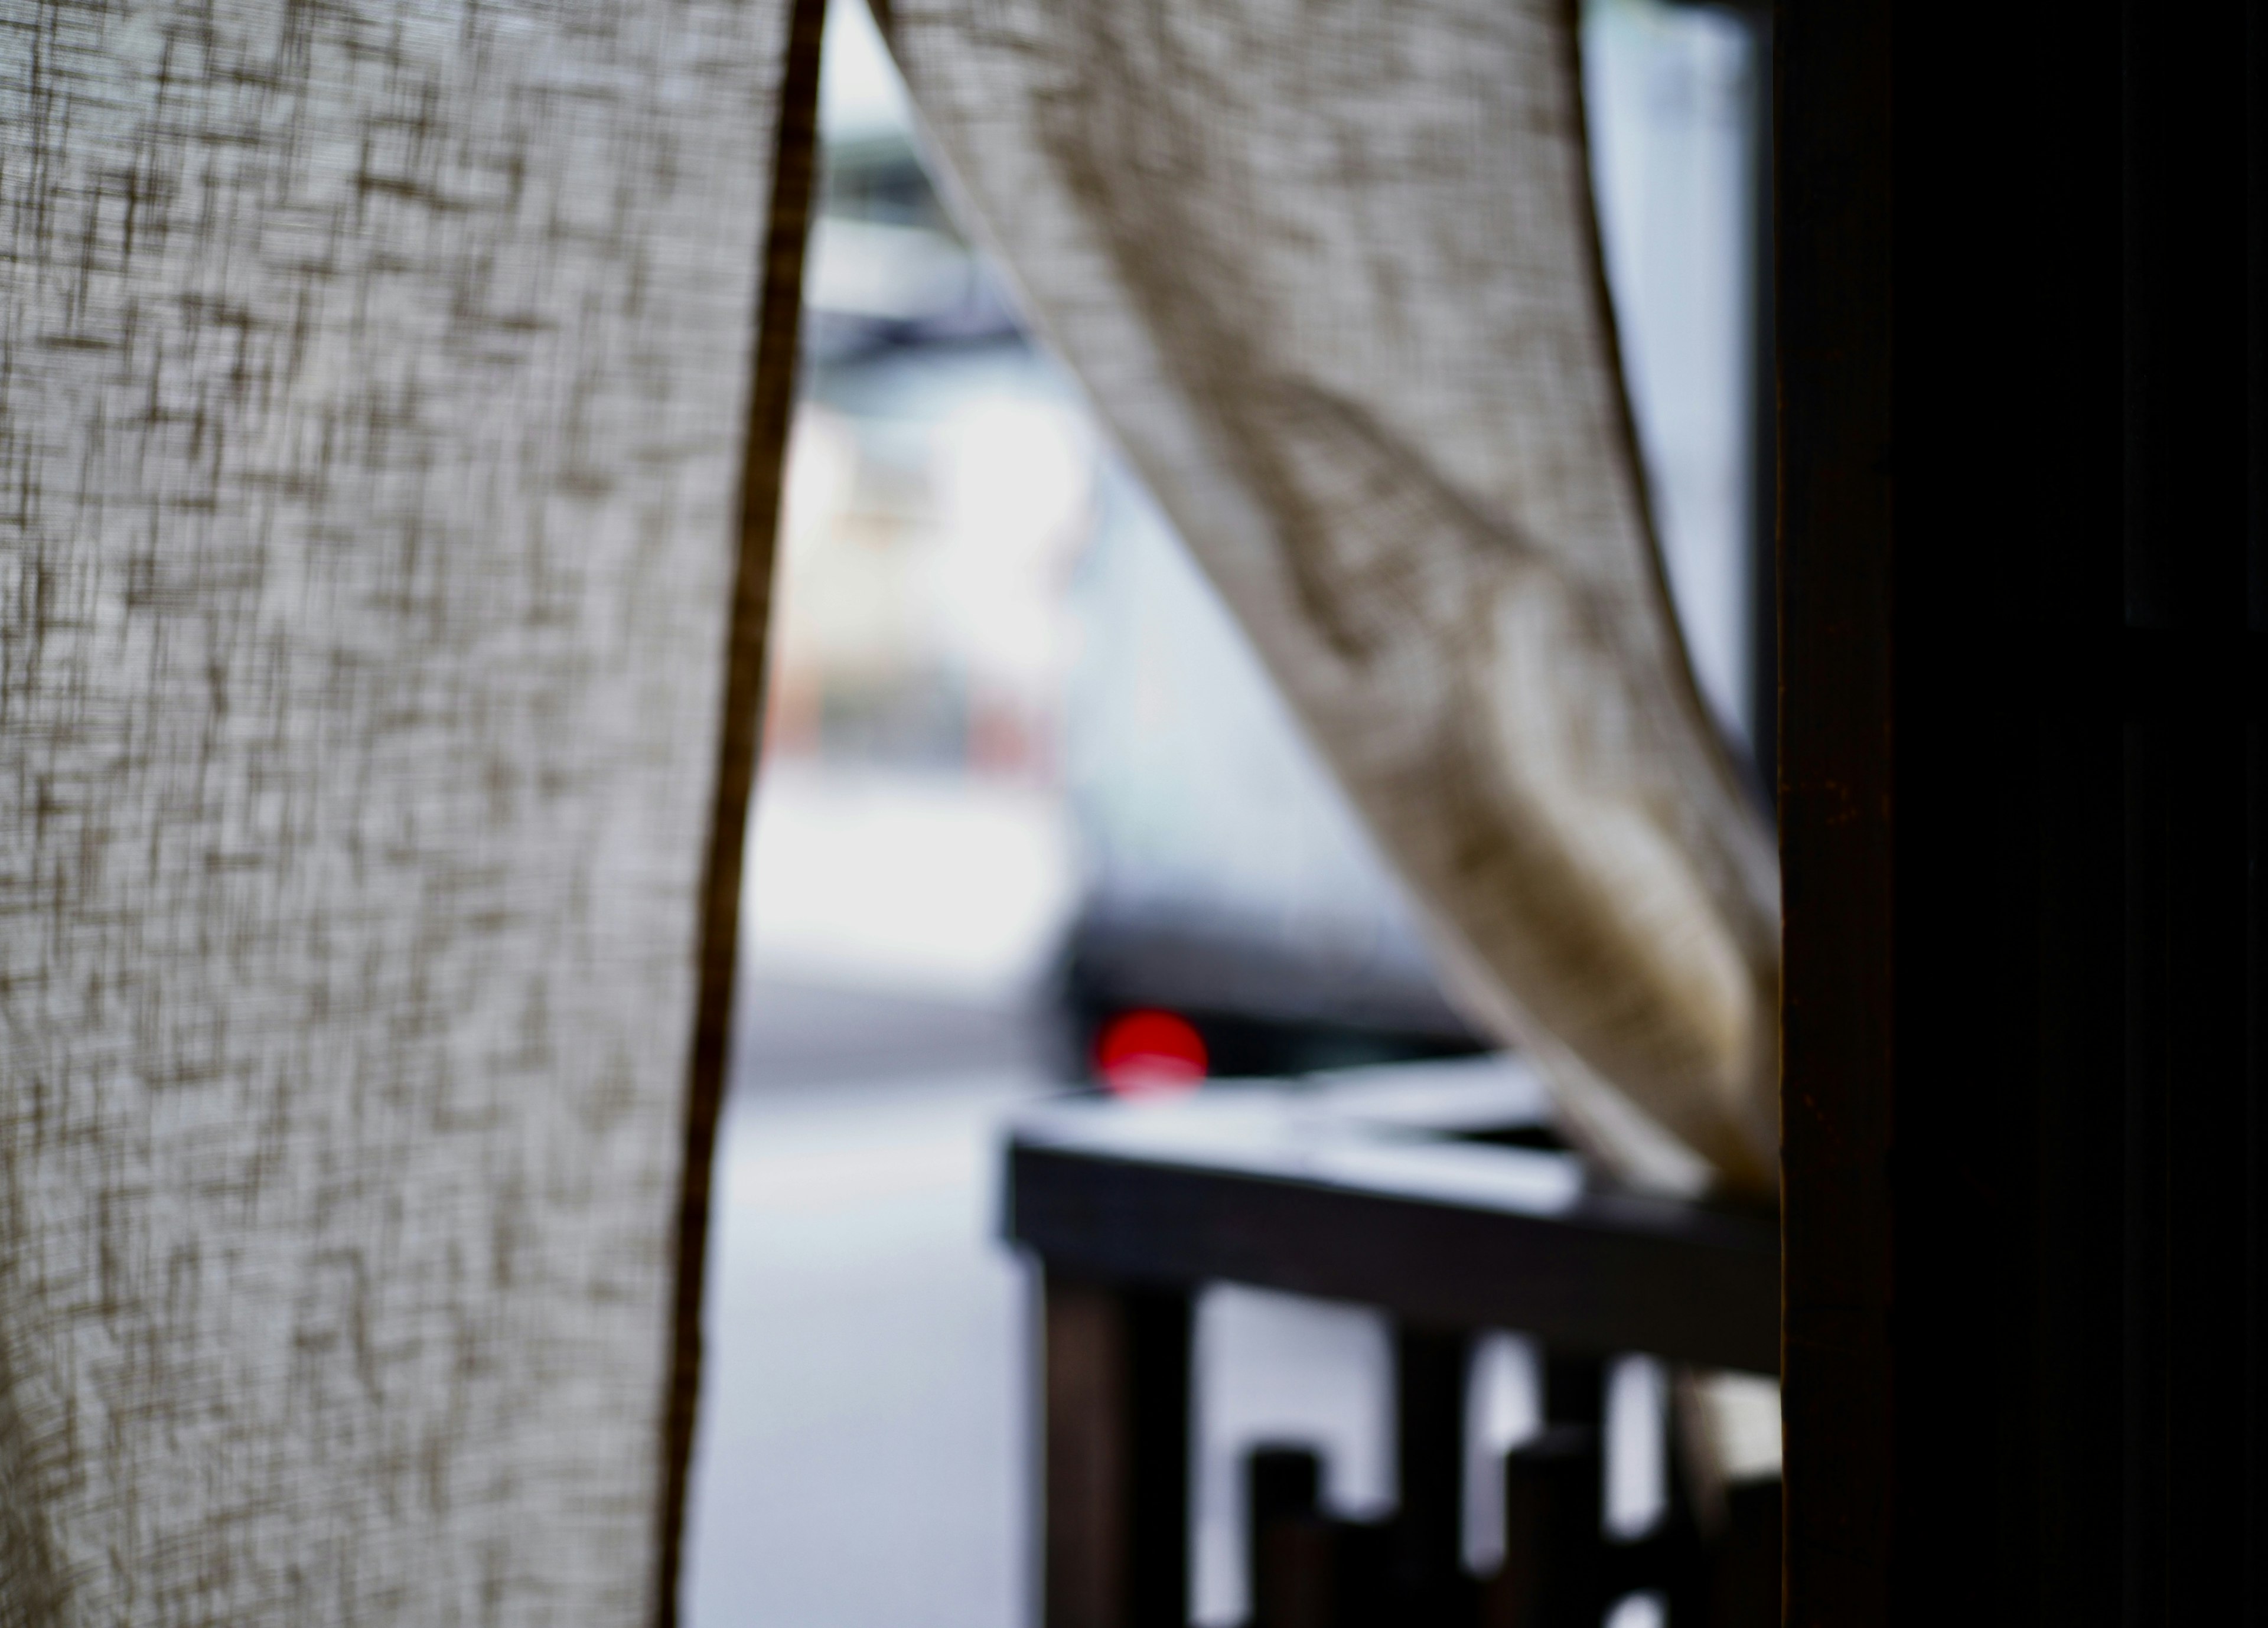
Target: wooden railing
1432	1195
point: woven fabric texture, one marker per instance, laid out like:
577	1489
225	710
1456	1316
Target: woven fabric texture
1330	271
371	390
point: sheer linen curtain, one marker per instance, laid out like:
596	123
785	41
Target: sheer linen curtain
1331	273
372	393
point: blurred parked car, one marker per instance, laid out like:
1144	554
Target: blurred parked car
1230	917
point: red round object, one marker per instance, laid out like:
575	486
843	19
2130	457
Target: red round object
1150	1053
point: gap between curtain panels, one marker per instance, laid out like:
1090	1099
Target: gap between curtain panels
771	409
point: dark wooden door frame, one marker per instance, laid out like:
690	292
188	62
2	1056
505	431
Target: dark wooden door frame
2019	274
1832	277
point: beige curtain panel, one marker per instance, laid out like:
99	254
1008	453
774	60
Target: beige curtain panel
1332	275
372	386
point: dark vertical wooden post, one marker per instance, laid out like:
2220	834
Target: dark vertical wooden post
1744	1569
1430	1366
1554	1508
2186	598
1158	1323
1117	1388
1289	1556
1083	1559
1553	1543
2022	1318
1833	282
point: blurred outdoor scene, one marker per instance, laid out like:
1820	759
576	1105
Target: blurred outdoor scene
1023	778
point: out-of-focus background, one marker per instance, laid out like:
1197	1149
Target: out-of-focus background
1024	781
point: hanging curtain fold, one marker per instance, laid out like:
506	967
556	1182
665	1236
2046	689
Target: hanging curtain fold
372	393
1331	273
